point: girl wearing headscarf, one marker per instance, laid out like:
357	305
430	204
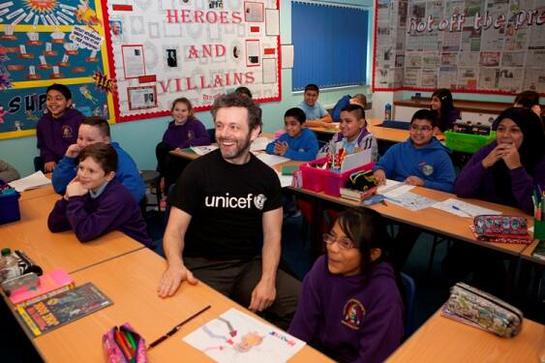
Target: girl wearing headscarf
507	170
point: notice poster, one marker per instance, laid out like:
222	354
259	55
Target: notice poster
163	50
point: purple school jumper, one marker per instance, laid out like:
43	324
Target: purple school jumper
191	133
350	318
90	218
56	134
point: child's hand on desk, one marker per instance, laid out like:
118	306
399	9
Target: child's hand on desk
49	166
73	151
280	148
414	180
380	176
75	189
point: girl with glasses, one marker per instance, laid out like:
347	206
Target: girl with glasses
350	306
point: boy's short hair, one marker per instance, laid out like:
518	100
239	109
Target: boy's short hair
236	100
297	114
244	91
103	154
425	114
312	87
527	99
60	88
99	122
356	109
361	99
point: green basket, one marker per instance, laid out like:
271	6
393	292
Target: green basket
467	143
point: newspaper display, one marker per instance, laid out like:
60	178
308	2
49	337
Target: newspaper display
491	46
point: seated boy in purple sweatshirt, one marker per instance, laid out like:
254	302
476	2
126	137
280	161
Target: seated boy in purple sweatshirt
350	306
95	203
58	128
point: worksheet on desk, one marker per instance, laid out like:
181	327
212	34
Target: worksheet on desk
463	209
238	337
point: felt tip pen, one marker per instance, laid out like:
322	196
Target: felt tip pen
455	207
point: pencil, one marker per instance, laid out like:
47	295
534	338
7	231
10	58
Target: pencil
177	327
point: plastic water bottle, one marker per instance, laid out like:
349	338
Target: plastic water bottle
387	112
9	266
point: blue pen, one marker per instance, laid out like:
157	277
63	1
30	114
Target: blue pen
455	207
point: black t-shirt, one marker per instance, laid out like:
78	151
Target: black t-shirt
226	203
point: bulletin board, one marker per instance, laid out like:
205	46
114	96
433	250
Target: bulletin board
50	41
161	50
479	46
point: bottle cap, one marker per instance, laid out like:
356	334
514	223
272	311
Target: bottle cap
6	251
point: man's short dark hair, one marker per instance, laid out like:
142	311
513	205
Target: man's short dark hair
425	114
99	122
312	87
527	99
244	91
236	100
357	109
60	88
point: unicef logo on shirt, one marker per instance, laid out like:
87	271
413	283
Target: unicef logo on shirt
259	201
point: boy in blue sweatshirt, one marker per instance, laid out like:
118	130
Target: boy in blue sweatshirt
93	130
421	160
297	143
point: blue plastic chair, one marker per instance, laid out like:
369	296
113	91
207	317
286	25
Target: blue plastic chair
410	290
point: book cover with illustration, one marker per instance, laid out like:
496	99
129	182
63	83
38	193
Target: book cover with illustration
54	311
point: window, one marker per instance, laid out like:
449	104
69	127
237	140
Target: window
330	45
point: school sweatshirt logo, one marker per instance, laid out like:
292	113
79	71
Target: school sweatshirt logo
427	169
353	313
228	201
67	132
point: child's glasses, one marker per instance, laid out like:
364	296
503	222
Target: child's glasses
343	242
421	128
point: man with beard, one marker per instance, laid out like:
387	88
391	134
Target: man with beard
226	220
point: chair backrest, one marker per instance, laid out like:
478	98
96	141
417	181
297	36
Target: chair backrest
212	135
410	290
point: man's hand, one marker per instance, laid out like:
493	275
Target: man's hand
263	296
172	279
380	176
49	166
414	180
73	151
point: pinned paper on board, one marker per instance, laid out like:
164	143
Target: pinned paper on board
237	337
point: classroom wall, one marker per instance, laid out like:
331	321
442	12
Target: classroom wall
140	137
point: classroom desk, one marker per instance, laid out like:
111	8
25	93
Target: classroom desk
51	250
434	220
131	282
443	340
385	134
37	193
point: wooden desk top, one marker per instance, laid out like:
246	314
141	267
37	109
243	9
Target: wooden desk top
51	250
38	192
462	105
381	133
435	220
443	340
131	282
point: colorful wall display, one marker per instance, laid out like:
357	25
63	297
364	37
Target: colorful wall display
199	49
481	46
48	41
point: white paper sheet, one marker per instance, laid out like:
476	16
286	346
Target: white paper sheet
269	70
32	181
395	190
412	201
260	143
271	160
463	209
237	337
285	180
203	150
352	161
272	21
287	56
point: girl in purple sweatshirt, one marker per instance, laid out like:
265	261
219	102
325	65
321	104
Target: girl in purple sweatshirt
95	203
183	131
350	306
507	170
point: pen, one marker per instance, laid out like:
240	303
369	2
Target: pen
455	207
177	327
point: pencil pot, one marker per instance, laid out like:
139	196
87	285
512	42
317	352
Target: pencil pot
9	206
123	344
539	229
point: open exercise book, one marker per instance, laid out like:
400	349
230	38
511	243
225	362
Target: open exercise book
237	337
32	181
